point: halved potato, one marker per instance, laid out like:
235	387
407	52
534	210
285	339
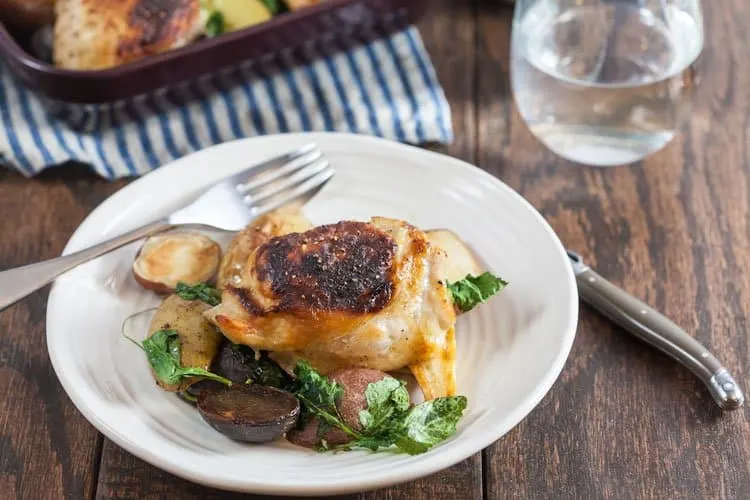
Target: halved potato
240	14
249	413
461	260
199	340
167	259
301	4
355	382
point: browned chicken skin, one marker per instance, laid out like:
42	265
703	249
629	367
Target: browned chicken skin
346	295
98	34
343	267
288	219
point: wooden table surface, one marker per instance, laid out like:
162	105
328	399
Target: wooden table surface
622	420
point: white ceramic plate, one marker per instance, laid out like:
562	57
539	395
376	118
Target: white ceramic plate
510	350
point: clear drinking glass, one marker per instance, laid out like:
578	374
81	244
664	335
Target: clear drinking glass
605	82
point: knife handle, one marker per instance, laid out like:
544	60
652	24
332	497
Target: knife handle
656	329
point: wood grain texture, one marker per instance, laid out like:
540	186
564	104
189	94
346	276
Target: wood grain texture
123	476
47	449
448	31
625	421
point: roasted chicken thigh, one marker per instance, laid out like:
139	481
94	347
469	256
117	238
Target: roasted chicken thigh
98	34
352	294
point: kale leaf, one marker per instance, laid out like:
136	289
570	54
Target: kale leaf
215	24
431	423
163	353
319	396
274	6
202	291
388	420
473	290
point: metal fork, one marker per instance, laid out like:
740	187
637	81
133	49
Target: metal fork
293	177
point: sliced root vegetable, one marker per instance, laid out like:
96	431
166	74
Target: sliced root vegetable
240	14
301	4
167	259
354	382
460	258
202	385
199	340
240	363
250	413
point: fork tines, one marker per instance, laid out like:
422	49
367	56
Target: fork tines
294	176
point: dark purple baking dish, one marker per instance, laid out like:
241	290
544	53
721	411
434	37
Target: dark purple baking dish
286	41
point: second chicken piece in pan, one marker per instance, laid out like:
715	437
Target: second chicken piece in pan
99	34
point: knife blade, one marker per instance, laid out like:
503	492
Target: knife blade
649	325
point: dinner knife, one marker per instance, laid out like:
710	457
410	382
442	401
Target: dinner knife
656	329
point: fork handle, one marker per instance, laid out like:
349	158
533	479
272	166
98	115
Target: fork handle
19	282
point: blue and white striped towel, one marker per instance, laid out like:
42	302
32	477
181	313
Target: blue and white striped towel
386	88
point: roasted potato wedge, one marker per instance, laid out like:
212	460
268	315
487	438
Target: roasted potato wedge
460	259
167	259
199	340
240	14
301	4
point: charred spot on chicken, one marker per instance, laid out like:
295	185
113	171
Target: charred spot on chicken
346	266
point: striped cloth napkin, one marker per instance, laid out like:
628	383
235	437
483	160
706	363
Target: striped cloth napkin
386	88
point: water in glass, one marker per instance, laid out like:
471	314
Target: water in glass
604	82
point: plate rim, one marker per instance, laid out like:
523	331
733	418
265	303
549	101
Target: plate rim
460	452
